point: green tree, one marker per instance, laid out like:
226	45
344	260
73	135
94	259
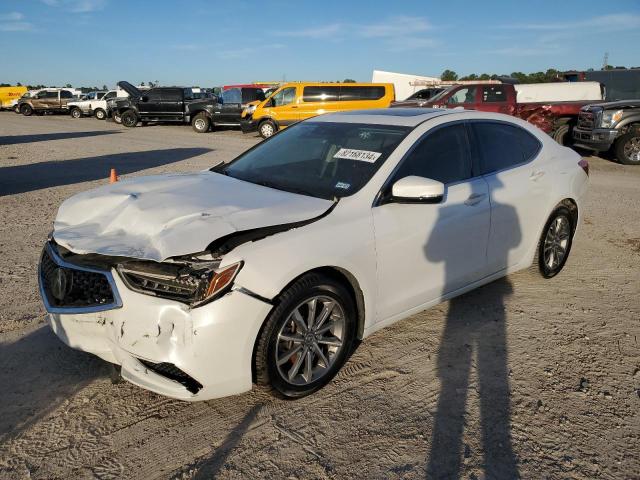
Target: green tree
104	87
449	76
348	80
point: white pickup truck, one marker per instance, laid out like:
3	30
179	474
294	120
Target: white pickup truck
92	106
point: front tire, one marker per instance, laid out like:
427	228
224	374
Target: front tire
129	119
201	123
100	114
26	110
562	135
76	113
627	147
267	129
307	337
555	243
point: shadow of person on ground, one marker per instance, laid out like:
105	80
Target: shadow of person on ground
475	324
38	373
45	137
211	466
35	176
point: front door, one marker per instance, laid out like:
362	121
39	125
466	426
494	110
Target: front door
425	251
284	107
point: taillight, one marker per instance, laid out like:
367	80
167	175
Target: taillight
584	165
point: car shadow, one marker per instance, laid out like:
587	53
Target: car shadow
45	137
36	176
38	373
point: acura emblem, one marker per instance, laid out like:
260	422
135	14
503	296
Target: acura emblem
60	283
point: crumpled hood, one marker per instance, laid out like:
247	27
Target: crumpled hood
163	216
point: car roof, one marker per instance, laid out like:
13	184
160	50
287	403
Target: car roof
409	117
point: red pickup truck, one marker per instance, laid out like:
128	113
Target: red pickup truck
556	118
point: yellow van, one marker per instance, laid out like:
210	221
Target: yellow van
293	102
9	96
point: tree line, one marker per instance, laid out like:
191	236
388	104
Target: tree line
551	75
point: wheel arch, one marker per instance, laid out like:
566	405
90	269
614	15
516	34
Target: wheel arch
341	275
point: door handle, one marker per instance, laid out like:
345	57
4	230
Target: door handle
474	199
536	175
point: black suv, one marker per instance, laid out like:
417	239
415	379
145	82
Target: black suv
179	104
603	125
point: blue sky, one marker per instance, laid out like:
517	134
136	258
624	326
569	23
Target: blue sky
207	43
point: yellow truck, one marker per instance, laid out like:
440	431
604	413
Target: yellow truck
9	96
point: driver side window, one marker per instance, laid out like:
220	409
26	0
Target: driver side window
441	155
284	97
464	95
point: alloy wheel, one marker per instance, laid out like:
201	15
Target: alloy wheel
200	124
556	242
266	130
310	340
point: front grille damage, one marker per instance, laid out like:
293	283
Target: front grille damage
67	287
170	371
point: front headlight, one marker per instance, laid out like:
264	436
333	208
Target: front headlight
249	110
609	118
195	283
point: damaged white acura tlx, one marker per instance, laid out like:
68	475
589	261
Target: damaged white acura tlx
268	269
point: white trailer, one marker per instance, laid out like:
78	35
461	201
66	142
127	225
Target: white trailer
558	92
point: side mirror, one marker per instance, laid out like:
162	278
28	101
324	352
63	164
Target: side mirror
270	103
414	189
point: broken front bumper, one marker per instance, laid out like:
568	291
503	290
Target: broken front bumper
166	346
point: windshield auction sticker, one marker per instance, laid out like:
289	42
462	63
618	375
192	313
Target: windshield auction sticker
361	155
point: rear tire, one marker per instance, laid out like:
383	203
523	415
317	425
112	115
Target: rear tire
26	110
129	118
627	147
16	108
100	114
555	243
201	123
117	118
76	113
267	129
298	352
562	135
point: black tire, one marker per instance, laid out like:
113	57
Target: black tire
627	147
100	114
76	113
16	108
562	135
295	297
26	110
540	265
129	118
201	123
267	128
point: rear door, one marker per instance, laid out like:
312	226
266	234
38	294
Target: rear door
319	99
495	99
171	103
519	182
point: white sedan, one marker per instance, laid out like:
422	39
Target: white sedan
269	268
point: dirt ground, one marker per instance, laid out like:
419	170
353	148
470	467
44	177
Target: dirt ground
524	377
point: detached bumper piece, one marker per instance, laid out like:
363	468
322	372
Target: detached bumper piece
170	371
69	288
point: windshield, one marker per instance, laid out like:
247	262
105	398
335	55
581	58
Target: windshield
440	95
319	159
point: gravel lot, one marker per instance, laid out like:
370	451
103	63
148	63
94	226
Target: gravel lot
521	378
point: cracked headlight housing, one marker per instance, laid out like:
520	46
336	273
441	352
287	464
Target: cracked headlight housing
194	283
611	117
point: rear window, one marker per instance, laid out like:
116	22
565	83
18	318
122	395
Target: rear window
252	94
361	93
503	146
494	94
